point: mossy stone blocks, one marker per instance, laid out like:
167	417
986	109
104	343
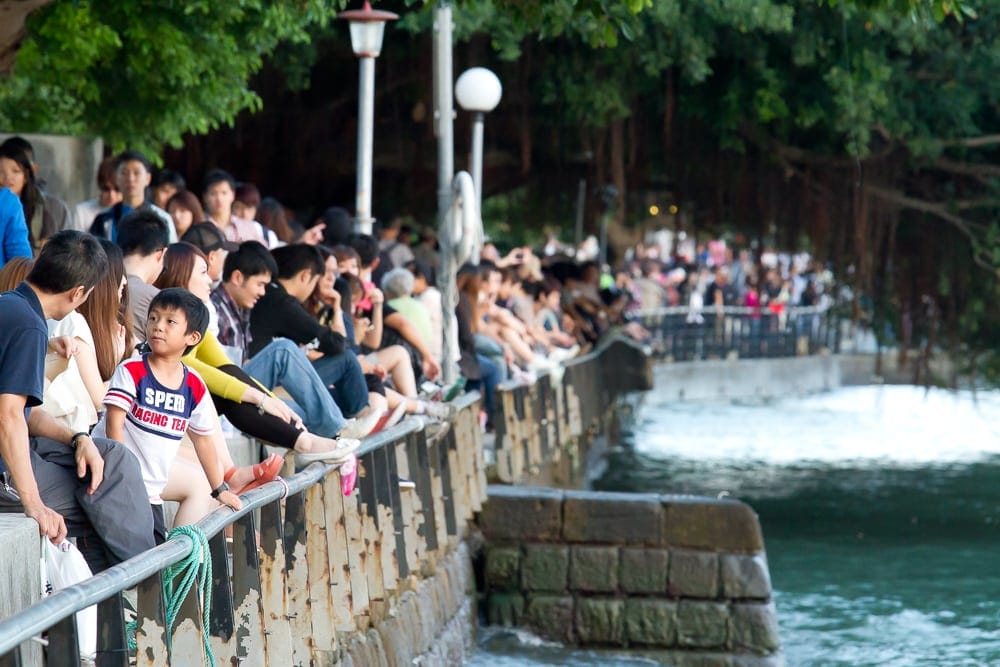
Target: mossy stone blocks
650	622
594	569
644	570
600	621
544	567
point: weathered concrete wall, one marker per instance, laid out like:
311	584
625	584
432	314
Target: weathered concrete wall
431	625
746	378
67	164
681	579
20	571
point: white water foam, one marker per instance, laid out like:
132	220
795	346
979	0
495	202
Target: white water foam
894	425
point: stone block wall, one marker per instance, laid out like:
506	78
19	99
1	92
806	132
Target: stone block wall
677	578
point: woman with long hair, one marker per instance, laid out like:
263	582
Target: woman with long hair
243	400
13	272
44	214
480	371
185	210
102	337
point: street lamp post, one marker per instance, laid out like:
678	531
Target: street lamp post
478	90
367	29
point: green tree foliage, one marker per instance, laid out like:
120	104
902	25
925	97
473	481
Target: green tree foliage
145	74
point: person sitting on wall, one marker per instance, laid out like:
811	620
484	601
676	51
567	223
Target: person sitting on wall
70	483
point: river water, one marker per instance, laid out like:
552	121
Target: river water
881	515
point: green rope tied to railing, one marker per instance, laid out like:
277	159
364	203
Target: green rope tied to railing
197	565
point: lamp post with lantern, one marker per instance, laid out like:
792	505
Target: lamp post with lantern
367	28
478	90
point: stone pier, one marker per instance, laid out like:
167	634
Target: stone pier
679	579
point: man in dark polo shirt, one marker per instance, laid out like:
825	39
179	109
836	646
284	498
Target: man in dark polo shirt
68	482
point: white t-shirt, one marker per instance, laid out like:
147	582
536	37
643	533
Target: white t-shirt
157	417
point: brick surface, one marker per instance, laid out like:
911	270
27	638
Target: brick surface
693	574
551	617
520	514
745	576
613	518
600	621
643	570
702	624
544	567
755	628
593	569
716	525
651	622
502	568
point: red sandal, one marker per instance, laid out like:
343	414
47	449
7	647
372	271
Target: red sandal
263	472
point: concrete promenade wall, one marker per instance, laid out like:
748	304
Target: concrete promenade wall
722	379
679	579
20	571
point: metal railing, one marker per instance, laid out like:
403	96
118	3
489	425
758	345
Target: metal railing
685	334
305	563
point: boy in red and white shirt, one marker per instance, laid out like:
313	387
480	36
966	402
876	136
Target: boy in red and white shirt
152	402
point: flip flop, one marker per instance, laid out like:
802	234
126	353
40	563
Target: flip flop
263	472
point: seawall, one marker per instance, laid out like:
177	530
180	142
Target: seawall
679	579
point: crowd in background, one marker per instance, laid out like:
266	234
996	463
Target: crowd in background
316	335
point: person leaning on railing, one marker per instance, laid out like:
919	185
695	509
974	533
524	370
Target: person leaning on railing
70	483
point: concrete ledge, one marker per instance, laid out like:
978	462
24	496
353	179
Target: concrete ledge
613	518
722	525
520	513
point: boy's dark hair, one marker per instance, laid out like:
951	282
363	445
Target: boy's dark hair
250	259
218	176
67	260
168	176
142	232
291	259
132	156
366	247
194	309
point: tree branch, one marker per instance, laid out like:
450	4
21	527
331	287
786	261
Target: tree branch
980	172
936	209
972	142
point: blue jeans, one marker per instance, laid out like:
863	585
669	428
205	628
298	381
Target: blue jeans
489	374
341	374
283	363
489	348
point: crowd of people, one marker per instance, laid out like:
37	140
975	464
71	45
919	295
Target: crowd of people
144	317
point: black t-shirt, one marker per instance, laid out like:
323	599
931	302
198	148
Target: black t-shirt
280	315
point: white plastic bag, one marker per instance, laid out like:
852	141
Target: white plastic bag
63	566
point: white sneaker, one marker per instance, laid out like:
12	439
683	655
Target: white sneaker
439	411
360	426
345	447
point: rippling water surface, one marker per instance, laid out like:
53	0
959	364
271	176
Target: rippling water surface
881	516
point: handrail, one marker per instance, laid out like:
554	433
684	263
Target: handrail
445	499
66	602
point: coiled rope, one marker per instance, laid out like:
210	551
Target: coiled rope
196	566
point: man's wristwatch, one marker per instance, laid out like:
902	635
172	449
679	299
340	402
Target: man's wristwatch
219	489
77	436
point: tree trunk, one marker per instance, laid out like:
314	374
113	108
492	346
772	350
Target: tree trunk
13	14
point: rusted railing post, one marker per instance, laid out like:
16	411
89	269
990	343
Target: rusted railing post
297	579
278	635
